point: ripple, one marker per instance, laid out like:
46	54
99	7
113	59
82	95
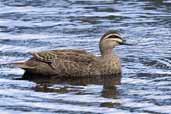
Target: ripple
30	25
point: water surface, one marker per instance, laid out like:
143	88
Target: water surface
36	25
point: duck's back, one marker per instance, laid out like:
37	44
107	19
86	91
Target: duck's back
62	63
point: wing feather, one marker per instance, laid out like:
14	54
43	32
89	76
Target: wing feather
70	55
70	68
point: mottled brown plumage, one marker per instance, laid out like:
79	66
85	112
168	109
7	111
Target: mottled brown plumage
76	63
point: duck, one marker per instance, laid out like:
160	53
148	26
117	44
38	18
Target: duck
76	62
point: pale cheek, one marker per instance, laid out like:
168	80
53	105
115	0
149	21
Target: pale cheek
115	44
112	44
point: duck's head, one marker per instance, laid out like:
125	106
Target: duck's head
110	40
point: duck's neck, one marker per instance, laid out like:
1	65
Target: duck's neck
107	53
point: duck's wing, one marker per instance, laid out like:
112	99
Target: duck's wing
60	62
69	55
74	63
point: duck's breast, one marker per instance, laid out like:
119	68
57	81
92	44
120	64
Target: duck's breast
111	66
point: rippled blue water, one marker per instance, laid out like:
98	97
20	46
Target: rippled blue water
36	25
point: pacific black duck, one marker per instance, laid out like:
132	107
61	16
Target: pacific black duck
76	63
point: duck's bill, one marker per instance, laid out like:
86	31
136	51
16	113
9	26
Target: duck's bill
124	43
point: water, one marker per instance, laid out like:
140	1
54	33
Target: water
35	25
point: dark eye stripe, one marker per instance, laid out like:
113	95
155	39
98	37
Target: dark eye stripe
111	35
114	36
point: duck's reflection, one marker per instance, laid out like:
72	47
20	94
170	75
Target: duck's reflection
108	82
67	85
109	87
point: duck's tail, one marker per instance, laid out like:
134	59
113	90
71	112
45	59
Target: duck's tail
23	65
